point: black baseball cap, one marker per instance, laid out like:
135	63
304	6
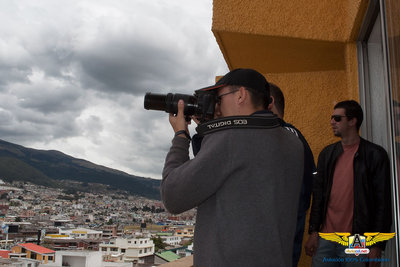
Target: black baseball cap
242	77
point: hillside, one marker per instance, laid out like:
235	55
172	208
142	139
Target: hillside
45	167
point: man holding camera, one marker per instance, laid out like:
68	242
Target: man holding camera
245	180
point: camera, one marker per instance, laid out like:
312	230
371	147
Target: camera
201	104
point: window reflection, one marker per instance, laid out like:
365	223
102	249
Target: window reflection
393	32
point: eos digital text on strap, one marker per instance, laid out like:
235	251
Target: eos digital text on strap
238	122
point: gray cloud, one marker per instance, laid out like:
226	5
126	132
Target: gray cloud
73	75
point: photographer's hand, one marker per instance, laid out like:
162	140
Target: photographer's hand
195	119
178	122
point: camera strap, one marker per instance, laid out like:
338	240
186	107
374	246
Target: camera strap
240	122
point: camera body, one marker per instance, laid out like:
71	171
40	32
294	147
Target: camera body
200	105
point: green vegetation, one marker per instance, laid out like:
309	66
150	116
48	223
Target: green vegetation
158	244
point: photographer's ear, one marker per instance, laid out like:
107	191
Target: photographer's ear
243	94
271	104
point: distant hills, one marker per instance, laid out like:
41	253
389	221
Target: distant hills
48	167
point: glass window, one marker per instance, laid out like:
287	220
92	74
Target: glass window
392	13
378	47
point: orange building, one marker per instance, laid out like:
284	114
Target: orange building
320	52
33	251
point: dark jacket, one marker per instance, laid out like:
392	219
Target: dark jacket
309	168
372	193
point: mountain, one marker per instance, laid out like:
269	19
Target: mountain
47	167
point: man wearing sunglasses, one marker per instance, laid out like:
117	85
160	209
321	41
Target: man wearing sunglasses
244	181
351	190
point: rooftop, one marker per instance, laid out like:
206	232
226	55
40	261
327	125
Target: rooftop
168	256
36	248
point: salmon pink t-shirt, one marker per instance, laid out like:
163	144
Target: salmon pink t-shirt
339	215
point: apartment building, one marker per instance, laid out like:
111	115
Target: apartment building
135	249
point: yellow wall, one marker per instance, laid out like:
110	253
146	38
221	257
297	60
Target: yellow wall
306	47
305	19
16	249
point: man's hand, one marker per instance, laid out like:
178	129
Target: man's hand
375	252
178	122
195	119
312	244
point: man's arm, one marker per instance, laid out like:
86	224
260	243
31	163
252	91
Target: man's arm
316	208
311	244
187	183
308	176
317	196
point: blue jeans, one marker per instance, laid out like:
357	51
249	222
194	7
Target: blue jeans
331	254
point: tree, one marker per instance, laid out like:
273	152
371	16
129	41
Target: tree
158	243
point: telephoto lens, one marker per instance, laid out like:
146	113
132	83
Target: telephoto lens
169	103
155	101
201	104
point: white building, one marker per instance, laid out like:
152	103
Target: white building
172	240
81	258
76	258
81	233
127	250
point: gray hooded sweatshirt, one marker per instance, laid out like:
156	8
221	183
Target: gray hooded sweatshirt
246	185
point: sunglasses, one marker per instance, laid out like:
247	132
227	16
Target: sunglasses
218	98
337	118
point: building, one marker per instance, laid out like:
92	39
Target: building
80	258
33	251
320	53
182	231
111	231
186	231
19	262
73	239
4	253
170	239
81	233
135	249
68	243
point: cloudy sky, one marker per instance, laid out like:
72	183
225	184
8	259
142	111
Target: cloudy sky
73	75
